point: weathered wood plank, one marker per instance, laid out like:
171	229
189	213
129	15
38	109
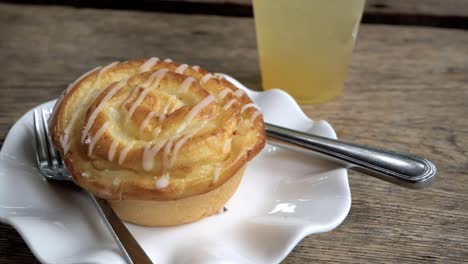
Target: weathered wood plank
421	7
407	90
13	249
434	13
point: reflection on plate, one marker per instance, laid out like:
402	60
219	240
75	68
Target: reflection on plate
282	198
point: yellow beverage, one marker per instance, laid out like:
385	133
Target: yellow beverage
305	46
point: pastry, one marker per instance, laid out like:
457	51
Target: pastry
164	143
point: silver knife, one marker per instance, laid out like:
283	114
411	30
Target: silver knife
400	168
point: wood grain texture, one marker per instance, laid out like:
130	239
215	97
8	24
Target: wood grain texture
407	90
421	7
433	13
426	7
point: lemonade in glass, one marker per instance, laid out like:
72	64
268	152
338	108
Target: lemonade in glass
305	46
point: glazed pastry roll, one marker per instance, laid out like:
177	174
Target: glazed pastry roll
165	143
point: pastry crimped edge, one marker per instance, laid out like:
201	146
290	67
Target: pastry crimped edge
149	197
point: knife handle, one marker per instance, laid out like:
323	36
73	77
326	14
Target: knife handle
404	169
131	250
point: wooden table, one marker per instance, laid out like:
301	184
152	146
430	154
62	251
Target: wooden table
407	90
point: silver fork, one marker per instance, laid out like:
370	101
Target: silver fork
52	168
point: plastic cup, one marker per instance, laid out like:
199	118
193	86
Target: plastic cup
305	46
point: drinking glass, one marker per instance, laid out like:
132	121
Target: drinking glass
305	46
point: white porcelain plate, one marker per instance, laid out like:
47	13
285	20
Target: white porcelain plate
282	198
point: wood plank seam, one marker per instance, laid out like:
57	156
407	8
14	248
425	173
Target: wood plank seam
376	13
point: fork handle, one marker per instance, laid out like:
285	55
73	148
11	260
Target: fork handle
132	251
400	168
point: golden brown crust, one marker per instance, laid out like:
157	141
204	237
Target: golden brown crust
154	130
177	212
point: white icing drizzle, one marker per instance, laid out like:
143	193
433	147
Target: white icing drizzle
224	92
96	137
130	97
148	154
98	79
177	147
226	145
229	104
247	106
113	147
166	153
162	115
151	78
196	67
73	84
148	64
206	77
218	76
167	60
194	112
173	107
182	141
116	182
156	131
254	116
146	120
181	68
101	105
239	93
149	85
197	108
186	85
169	156
238	158
162	182
217	173
65	138
124	152
102	71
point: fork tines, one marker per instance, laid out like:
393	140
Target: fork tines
48	157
